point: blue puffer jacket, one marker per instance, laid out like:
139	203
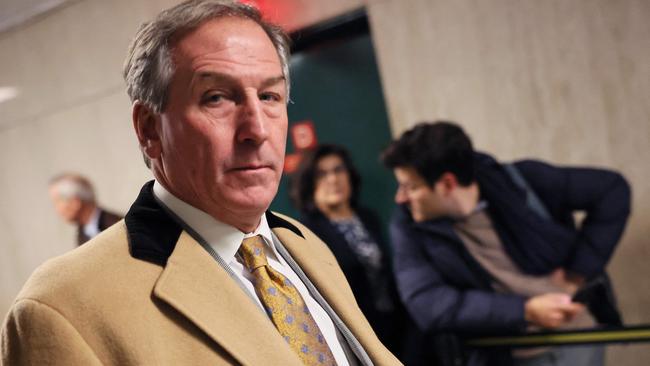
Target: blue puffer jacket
446	291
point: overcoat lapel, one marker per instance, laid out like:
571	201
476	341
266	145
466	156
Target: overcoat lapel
321	272
196	286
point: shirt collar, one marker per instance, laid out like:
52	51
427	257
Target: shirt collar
92	227
480	206
223	238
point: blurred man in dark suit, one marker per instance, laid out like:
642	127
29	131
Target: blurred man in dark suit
74	200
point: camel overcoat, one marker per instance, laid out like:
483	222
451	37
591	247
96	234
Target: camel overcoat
146	292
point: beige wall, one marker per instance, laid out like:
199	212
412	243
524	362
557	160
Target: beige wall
562	80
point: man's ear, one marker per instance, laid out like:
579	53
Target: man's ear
448	182
147	127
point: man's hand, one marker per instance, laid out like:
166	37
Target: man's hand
551	310
567	280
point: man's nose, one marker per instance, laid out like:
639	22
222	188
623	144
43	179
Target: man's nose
252	124
400	196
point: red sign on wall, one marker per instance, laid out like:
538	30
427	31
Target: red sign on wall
303	135
291	162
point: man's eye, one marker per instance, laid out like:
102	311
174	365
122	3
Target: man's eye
212	98
270	97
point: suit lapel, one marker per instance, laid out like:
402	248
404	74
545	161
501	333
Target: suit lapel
315	266
196	286
321	269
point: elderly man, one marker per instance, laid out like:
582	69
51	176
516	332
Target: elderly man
74	200
199	273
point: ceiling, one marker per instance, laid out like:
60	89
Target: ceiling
16	12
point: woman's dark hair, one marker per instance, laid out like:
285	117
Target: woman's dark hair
303	181
433	149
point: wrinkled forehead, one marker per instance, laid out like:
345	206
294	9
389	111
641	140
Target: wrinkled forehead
220	34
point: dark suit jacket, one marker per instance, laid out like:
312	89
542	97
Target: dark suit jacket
106	220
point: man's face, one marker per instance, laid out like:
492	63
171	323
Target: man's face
423	201
67	208
223	132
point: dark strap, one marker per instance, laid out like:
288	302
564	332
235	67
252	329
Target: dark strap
532	200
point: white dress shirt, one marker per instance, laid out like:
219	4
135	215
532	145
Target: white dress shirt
91	229
226	239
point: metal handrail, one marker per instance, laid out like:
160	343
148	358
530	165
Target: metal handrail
626	334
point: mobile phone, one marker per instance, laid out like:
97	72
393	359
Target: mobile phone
588	293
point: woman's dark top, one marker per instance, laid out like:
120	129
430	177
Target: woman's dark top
364	257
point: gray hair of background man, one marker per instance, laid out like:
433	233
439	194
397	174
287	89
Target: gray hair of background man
70	185
148	68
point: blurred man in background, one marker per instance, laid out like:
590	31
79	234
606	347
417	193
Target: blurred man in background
488	248
73	197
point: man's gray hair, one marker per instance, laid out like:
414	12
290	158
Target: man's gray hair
148	68
71	185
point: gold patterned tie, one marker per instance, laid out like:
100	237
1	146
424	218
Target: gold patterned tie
285	306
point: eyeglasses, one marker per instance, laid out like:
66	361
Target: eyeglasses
339	169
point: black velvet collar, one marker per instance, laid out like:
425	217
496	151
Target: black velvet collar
153	233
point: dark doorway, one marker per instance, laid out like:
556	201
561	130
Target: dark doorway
336	85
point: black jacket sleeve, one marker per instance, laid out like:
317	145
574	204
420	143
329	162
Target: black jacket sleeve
602	194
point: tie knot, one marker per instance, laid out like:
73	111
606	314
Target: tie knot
252	253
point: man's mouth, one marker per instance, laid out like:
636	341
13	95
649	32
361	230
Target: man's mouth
251	167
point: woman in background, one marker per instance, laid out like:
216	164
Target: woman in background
325	189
